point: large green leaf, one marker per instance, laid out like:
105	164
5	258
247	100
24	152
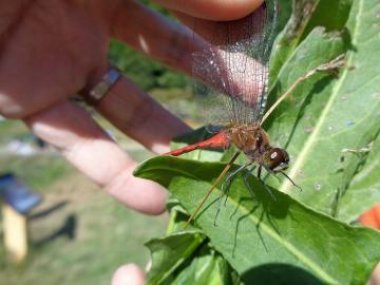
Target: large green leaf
363	191
326	115
275	235
330	126
171	252
207	268
291	35
306	16
331	15
186	258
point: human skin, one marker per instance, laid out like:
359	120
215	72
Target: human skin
51	50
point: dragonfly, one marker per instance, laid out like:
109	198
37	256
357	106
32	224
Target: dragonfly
233	62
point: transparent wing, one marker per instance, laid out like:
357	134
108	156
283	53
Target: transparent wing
230	63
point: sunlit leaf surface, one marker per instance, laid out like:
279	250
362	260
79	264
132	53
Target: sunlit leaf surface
329	114
330	126
264	233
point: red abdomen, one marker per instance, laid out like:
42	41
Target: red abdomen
218	141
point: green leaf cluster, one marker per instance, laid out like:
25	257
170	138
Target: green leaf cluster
330	126
146	73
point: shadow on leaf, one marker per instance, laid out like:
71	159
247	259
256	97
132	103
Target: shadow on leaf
277	273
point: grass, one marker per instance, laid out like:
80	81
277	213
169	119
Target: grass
78	235
84	241
38	171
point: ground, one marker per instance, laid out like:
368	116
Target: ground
78	234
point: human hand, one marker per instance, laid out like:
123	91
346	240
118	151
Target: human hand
51	50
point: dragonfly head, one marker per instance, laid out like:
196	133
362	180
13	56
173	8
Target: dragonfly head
276	160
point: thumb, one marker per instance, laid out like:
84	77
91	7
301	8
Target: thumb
129	274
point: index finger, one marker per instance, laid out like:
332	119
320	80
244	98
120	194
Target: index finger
214	10
86	146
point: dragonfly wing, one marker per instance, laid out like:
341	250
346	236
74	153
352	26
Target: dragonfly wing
230	62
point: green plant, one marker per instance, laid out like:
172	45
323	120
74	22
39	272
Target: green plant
145	72
330	126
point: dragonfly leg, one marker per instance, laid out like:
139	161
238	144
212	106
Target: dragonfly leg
227	183
226	189
291	180
247	184
213	186
263	183
287	177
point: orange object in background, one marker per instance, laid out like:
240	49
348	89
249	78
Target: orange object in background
371	218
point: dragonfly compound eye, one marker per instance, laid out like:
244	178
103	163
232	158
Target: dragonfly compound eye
277	159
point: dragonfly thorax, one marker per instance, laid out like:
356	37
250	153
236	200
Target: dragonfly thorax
254	142
251	139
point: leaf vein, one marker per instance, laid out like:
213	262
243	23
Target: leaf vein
313	138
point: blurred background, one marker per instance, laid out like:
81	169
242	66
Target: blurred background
77	234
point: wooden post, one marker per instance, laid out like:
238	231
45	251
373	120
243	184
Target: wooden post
15	234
